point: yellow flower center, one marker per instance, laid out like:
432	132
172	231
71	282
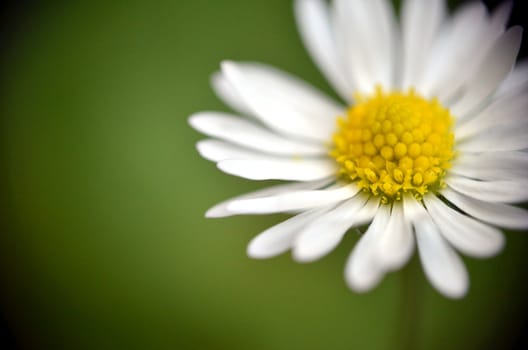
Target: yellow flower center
391	143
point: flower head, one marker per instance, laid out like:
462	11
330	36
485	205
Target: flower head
429	149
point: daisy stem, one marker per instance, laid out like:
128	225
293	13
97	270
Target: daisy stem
409	317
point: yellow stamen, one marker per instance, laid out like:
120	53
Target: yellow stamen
391	143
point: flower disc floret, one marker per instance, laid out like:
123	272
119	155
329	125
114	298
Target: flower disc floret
391	143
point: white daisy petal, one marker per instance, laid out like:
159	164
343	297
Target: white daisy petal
225	91
412	208
248	134
220	210
503	191
313	21
504	137
325	233
508	160
283	102
492	166
517	79
300	94
362	271
279	238
501	14
456	43
268	168
469	236
216	150
350	19
472	36
292	200
367	212
498	214
387	40
442	266
367	45
421	21
396	243
509	108
493	70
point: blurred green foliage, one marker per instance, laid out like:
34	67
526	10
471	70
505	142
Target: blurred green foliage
105	245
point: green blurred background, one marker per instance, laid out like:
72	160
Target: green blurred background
104	244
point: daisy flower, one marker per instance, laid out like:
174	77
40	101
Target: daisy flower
427	148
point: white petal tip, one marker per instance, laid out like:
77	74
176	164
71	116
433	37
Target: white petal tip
211	215
227	167
254	253
515	35
518	30
200	120
196	121
455	293
217	212
205	151
493	248
192	120
360	286
364	283
456	288
227	64
500	245
256	250
233	169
